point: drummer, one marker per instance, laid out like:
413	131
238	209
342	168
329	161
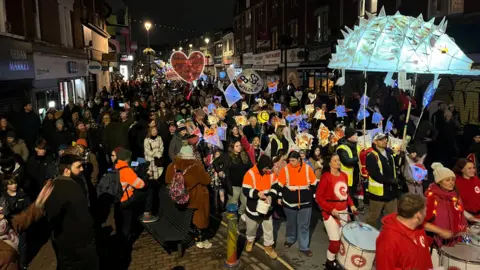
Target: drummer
445	217
333	198
402	243
468	186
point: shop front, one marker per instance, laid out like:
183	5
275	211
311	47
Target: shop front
247	60
58	80
16	74
293	58
267	64
314	73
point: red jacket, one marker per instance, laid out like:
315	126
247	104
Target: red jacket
249	149
401	248
469	191
332	193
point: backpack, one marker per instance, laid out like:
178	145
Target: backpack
363	162
178	191
110	184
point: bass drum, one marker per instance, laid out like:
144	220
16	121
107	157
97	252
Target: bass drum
357	249
461	257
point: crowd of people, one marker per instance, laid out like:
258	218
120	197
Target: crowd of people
76	165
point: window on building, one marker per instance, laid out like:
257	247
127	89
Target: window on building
248	44
230	44
66	34
322	34
260	15
274	38
371	6
293	28
238	46
237	8
274	8
247	3
249	19
293	3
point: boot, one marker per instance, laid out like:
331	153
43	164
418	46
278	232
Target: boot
249	246
333	265
271	253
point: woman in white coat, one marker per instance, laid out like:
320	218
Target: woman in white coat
153	146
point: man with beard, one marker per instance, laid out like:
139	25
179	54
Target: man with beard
67	210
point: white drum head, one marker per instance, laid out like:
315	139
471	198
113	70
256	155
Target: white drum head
361	235
467	253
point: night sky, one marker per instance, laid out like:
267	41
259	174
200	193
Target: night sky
200	15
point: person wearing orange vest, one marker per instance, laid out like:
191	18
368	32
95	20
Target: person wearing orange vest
258	187
347	152
129	181
297	183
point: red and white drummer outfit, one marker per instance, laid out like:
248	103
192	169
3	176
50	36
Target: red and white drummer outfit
332	193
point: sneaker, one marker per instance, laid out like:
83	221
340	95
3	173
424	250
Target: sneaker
249	246
333	265
149	218
204	245
271	253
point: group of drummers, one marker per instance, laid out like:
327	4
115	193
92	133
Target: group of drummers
419	230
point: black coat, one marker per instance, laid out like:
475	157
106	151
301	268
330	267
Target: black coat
28	127
347	161
388	178
37	171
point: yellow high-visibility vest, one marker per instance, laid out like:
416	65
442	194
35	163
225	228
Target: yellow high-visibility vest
374	187
347	170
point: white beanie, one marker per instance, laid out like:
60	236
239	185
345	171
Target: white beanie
186	152
441	173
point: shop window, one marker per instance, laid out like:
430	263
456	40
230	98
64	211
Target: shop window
321	82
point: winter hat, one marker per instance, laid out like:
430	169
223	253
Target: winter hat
82	142
122	153
349	132
441	173
59	122
11	134
186	152
264	162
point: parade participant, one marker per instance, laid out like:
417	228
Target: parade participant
468	187
277	142
402	243
297	183
316	161
73	236
333	198
347	152
196	183
411	158
258	184
17	224
445	217
382	180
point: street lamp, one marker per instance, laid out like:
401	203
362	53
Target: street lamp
148	25
180	48
173	49
191	45
207	40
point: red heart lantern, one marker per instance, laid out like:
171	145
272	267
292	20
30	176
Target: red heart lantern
188	68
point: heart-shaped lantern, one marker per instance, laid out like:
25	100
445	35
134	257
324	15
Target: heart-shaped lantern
188	68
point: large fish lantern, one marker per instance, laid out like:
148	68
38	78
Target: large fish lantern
400	43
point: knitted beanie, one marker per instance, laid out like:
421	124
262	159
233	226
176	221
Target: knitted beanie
441	173
122	153
186	152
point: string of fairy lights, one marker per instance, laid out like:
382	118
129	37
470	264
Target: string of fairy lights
169	27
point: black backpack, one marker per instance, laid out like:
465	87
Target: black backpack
110	184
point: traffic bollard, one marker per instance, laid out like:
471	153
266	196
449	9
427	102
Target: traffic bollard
232	236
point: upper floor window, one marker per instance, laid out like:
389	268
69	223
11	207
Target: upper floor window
293	28
248	44
249	19
322	27
247	3
274	38
275	8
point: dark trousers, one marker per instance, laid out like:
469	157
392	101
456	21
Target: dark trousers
22	249
76	258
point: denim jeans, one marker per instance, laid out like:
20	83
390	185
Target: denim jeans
238	194
298	227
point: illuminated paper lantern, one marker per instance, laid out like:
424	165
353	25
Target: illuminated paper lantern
312	97
250	82
377	118
213	119
323	135
364	100
388	127
241	120
304	140
263	117
261	102
272	87
244	105
220	112
341	111
395	144
362	114
232	95
400	43
222	133
211	107
188	68
309	108
419	172
277	107
320	114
